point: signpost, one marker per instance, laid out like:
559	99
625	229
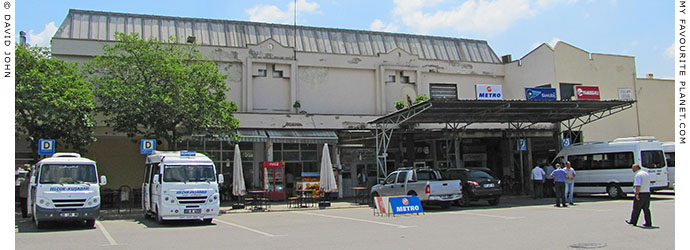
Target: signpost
148	146
46	147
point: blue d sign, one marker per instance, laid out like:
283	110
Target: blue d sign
148	146
46	147
566	142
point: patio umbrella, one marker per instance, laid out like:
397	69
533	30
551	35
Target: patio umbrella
238	187
327	181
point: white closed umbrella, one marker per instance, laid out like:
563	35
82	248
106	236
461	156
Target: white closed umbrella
238	188
327	181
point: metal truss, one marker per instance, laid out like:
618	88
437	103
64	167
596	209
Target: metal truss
578	122
384	133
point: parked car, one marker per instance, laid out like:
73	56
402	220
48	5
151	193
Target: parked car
477	185
425	183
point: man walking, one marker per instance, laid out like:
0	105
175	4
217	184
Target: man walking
549	180
538	181
558	176
642	197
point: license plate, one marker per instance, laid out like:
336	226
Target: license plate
490	185
68	215
192	211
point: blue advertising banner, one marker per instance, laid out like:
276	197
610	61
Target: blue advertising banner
406	205
540	94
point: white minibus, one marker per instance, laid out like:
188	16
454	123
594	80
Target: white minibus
606	167
670	152
180	185
65	187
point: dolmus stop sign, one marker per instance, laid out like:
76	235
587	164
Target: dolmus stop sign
148	146
46	147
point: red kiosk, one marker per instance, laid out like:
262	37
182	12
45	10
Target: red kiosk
273	179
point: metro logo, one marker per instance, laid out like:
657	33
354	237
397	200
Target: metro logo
405	201
489	92
488	88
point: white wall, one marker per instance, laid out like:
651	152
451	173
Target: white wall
336	90
534	69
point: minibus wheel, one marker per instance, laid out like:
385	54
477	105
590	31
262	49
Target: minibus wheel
614	191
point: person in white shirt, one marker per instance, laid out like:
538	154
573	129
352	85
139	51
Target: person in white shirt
538	181
569	182
549	180
642	197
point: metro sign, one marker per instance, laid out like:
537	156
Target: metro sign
587	93
489	92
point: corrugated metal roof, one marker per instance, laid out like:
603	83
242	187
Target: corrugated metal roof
96	25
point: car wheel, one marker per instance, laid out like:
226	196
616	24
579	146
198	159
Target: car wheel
494	201
614	191
465	200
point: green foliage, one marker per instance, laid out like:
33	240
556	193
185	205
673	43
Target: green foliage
52	100
421	98
399	104
161	90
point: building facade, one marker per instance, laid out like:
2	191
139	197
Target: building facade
300	87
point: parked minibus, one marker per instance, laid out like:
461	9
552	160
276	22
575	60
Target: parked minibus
670	153
65	187
180	185
606	167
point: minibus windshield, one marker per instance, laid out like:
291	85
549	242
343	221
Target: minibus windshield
188	173
67	174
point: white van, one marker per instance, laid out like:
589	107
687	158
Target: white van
670	152
65	187
605	167
180	185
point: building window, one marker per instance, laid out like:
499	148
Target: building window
391	78
567	90
403	78
261	73
277	74
443	91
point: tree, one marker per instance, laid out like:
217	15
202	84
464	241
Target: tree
160	90
52	100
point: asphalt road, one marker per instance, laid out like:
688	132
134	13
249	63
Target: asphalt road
514	224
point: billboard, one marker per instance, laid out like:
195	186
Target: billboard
540	94
587	93
489	92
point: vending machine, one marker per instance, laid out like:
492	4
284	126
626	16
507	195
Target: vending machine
273	179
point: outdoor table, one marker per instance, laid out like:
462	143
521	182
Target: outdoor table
259	199
360	195
304	197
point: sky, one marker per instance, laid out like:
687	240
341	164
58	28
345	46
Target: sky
639	28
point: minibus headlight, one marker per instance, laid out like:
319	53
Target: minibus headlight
94	201
213	198
43	202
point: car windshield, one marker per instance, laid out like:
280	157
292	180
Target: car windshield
653	159
188	173
426	175
67	173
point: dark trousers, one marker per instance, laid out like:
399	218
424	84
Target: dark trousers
560	193
22	204
548	187
642	204
538	188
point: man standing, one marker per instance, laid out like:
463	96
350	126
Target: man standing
549	179
558	176
569	182
538	181
642	197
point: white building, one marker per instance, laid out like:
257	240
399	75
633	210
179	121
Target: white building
341	79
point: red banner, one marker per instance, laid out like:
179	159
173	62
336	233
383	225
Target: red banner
587	93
